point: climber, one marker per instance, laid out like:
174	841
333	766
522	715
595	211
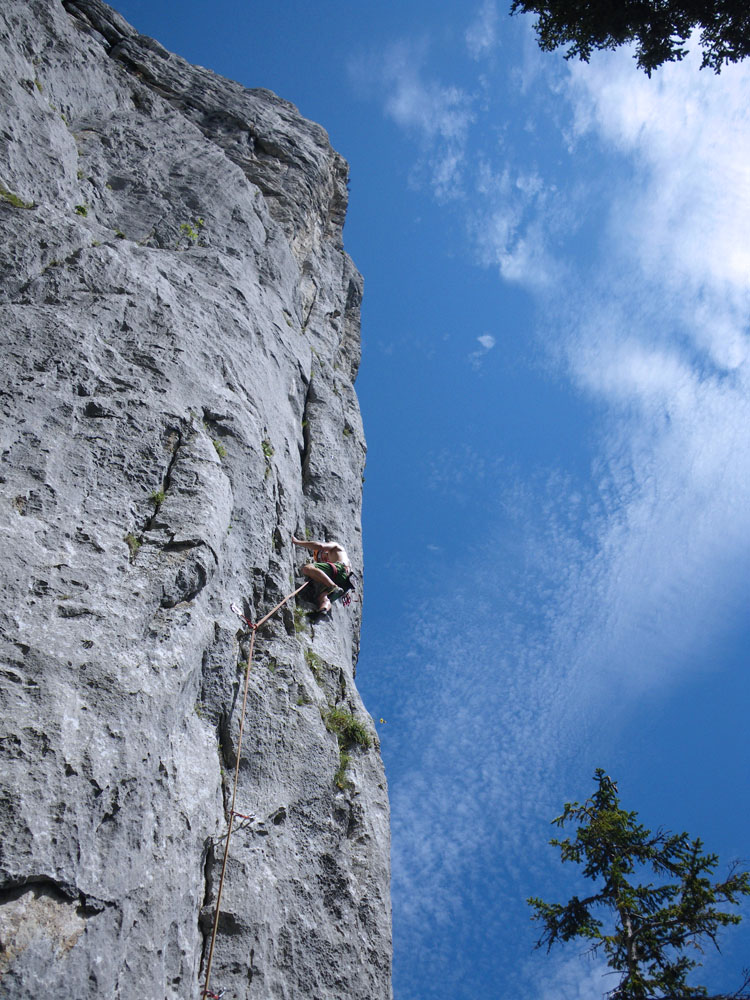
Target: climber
330	570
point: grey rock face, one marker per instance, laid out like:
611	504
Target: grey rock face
180	334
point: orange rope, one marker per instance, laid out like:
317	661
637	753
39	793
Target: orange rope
281	604
253	628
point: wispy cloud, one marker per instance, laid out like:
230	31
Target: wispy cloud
656	328
486	343
687	212
626	214
436	115
421	105
662	338
617	585
582	978
510	223
481	35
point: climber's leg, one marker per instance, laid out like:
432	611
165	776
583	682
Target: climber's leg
317	574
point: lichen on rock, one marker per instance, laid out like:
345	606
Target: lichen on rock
177	400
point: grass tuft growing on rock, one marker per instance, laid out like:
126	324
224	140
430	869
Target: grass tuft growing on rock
300	620
13	199
315	663
133	543
339	778
347	728
349	732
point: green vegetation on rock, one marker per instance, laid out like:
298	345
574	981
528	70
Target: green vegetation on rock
13	199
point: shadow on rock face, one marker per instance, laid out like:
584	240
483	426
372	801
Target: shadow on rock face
189	581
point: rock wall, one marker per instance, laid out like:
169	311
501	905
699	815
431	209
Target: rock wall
180	335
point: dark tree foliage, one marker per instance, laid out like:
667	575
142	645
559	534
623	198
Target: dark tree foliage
655	898
659	28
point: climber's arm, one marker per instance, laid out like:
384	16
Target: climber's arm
305	544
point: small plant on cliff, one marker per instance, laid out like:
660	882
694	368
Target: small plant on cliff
133	543
82	210
13	199
221	451
339	778
267	452
315	663
347	728
300	620
349	732
190	231
157	498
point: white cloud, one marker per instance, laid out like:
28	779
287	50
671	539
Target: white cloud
481	34
423	106
662	340
613	587
486	343
507	226
581	978
450	126
685	218
437	116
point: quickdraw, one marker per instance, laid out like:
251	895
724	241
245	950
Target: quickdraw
245	823
242	618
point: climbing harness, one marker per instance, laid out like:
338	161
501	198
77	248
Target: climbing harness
344	590
232	813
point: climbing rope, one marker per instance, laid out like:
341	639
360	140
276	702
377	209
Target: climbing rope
232	813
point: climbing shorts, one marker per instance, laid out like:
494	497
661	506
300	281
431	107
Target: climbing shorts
336	571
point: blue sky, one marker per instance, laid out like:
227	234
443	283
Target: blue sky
555	386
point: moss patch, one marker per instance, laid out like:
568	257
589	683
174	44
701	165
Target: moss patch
13	199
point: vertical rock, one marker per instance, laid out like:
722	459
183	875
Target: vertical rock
180	335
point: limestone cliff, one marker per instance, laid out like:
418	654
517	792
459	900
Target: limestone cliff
180	335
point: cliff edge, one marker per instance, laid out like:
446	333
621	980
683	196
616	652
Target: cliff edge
180	336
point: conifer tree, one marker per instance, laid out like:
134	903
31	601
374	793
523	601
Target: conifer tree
654	898
659	28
